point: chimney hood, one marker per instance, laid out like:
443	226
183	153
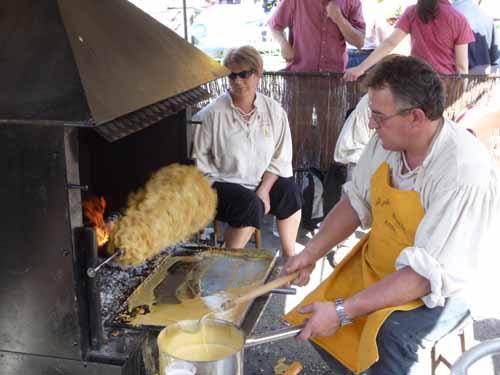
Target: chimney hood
97	63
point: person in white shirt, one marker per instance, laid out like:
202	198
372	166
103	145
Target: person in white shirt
484	52
430	191
244	147
354	136
377	30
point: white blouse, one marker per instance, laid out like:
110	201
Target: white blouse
354	135
229	147
459	187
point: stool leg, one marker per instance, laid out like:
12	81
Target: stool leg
258	239
216	233
437	357
462	342
434	361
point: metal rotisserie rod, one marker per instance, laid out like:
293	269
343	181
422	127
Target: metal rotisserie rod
92	272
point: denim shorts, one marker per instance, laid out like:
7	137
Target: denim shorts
407	336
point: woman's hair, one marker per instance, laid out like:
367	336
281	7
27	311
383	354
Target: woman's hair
413	83
246	56
427	10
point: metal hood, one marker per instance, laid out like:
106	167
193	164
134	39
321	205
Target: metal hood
102	63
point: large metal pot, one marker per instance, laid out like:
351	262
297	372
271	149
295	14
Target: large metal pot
214	348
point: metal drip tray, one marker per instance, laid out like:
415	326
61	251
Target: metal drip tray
188	287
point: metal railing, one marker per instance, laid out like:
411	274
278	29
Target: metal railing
474	354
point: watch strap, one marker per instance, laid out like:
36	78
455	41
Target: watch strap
343	317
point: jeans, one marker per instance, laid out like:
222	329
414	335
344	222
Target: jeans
407	336
356	57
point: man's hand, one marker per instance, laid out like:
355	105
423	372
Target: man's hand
286	48
353	74
264	197
323	322
287	52
333	11
298	262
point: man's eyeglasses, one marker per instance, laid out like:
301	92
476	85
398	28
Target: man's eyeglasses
243	74
380	119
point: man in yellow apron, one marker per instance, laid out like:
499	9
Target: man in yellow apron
430	193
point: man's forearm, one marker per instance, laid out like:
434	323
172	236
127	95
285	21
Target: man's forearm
398	288
279	37
351	34
339	224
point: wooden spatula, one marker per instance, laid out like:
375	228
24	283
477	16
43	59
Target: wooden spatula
263	289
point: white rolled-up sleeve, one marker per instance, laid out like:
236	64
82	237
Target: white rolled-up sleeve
355	134
451	240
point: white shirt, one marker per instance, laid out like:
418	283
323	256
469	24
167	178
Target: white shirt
459	187
230	148
377	28
355	134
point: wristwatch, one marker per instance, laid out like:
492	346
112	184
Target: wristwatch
339	308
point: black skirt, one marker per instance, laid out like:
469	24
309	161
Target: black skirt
241	207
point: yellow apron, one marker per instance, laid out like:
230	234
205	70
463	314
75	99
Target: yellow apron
395	217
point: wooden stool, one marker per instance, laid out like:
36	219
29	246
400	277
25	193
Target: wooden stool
217	233
461	340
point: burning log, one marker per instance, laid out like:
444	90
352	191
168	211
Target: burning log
175	203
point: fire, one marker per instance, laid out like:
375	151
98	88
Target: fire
93	209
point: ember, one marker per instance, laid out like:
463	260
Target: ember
94	208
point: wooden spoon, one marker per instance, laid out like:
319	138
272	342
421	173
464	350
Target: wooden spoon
263	289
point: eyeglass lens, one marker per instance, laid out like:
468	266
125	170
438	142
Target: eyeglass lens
243	74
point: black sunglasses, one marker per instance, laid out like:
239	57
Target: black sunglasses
243	74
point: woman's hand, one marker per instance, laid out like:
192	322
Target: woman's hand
353	74
264	197
323	322
300	262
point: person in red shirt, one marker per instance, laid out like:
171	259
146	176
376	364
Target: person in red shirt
318	32
439	35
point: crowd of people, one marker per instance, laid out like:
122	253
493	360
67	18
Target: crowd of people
427	190
453	38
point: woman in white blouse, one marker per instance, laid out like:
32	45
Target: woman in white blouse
243	145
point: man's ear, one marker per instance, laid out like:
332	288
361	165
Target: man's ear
418	117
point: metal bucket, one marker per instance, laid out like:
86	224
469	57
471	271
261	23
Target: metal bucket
214	348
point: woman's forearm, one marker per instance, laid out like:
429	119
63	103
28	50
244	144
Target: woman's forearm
383	49
462	58
267	182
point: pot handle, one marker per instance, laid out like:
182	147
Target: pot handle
279	334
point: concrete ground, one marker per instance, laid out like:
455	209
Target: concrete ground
263	358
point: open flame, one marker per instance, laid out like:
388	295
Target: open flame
93	209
